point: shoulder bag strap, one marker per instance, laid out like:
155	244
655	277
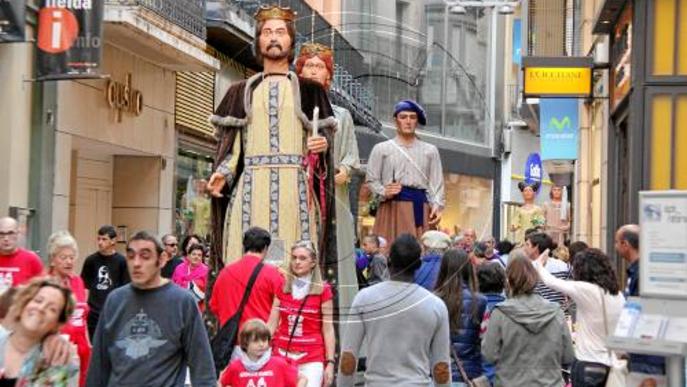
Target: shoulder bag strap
249	287
603	307
295	323
459	363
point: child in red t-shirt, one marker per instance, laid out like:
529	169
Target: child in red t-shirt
256	366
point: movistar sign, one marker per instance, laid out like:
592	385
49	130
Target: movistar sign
559	128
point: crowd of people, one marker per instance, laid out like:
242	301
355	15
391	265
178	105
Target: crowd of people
433	310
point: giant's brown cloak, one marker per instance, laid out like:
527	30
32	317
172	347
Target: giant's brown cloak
232	115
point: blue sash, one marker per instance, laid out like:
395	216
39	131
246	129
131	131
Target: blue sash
419	197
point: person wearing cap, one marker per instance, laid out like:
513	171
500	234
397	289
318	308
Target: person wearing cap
434	245
272	169
316	62
406	174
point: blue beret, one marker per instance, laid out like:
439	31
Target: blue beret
410	105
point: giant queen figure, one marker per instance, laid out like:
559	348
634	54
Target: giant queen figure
273	165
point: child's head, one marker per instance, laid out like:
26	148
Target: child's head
255	338
371	244
491	278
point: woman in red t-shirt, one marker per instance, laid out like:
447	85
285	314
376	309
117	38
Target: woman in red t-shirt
255	365
62	252
302	318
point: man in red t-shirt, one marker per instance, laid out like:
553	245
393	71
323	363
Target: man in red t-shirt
17	265
233	279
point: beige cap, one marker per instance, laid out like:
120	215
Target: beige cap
436	240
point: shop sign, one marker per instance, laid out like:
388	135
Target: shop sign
558	128
621	57
533	169
12	20
69	39
557	77
551	81
121	97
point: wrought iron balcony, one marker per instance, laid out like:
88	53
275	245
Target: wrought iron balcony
187	14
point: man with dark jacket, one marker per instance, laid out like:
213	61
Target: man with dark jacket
627	247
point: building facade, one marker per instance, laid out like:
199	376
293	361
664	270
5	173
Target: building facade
647	80
418	50
102	151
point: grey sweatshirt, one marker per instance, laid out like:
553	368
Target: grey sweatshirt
148	337
528	341
406	331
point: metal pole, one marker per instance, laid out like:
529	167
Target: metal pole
442	130
492	82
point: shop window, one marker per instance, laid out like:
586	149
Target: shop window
192	202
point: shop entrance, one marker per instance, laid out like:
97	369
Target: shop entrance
112	185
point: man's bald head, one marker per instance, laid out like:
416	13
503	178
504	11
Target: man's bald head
9	232
8	222
627	242
630	233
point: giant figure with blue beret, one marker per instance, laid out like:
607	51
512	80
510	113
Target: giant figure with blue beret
406	173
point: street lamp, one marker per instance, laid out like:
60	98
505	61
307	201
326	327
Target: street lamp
457	10
499	7
506	10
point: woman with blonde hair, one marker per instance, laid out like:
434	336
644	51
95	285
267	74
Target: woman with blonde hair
38	310
62	254
301	317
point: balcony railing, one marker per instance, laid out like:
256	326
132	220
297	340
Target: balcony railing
187	14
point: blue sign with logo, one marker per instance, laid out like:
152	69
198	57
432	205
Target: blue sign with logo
533	169
517	39
558	128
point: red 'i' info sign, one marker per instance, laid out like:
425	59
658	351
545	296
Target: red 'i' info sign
69	39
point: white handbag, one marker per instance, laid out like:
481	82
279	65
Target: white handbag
617	372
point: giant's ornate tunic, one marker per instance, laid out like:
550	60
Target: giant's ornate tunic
261	153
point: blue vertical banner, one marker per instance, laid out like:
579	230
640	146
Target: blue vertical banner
534	170
517	42
558	128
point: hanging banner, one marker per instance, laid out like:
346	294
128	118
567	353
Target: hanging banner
533	170
12	20
517	42
69	39
558	128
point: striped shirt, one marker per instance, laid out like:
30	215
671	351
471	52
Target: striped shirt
558	269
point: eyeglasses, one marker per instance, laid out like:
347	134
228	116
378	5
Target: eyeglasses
172	244
315	66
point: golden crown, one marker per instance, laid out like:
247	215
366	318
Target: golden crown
268	12
312	49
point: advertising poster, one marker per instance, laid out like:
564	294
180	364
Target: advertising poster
663	244
69	39
558	128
